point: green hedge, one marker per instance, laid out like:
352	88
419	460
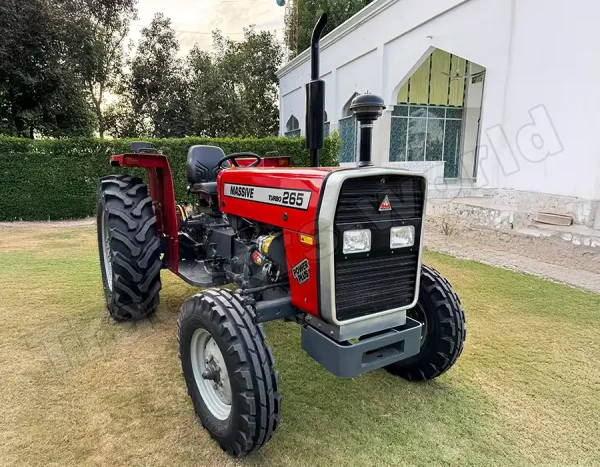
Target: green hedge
56	179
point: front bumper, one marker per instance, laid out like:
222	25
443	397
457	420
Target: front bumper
347	359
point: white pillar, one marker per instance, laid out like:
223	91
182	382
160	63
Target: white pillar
381	139
597	216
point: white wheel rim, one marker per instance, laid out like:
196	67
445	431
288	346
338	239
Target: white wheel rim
206	355
106	251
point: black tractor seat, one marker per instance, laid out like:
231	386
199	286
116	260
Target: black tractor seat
202	170
202	164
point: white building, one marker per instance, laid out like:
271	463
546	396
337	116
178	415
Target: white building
495	98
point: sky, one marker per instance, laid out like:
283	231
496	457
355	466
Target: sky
194	20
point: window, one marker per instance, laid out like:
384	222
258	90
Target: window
292	128
348	126
427	122
437	81
326	126
427	133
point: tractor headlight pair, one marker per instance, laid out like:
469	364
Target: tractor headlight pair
359	241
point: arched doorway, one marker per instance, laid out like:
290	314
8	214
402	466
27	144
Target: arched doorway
436	117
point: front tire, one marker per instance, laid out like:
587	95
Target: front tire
129	248
439	311
228	370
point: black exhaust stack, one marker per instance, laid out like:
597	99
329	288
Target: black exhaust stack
367	108
315	98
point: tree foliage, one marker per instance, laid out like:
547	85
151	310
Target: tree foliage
229	91
61	59
40	90
101	28
154	93
304	14
234	89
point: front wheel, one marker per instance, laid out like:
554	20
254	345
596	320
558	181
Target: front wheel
443	333
228	370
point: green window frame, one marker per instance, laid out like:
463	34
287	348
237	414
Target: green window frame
421	133
348	127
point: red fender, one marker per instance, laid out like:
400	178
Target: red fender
160	181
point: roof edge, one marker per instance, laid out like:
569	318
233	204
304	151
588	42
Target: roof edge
338	33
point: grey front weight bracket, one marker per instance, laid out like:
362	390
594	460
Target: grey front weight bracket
348	359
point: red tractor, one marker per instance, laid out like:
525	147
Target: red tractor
335	250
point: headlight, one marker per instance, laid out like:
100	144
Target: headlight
357	241
402	237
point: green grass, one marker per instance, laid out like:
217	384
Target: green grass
78	389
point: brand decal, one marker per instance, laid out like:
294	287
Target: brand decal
385	204
295	199
301	271
242	191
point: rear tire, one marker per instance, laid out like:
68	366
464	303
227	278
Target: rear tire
443	320
241	412
129	248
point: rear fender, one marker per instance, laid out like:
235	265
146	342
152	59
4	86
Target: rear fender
160	181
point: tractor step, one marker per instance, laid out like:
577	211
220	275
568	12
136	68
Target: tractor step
198	274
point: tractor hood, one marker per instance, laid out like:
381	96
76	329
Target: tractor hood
286	198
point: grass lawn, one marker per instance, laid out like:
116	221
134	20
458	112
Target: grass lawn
78	389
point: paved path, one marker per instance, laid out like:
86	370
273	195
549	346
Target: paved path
488	252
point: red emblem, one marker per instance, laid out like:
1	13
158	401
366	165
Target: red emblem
385	204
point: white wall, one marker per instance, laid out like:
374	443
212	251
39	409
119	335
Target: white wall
554	50
535	54
292	103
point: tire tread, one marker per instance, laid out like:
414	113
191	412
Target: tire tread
259	412
450	316
134	244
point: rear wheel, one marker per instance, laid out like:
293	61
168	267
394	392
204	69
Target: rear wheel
129	248
443	333
228	370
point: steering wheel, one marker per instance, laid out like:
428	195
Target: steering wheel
232	159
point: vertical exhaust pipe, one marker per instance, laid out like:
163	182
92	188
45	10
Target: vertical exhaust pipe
315	98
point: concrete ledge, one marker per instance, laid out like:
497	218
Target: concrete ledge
475	212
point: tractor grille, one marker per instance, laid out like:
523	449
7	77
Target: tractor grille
367	287
360	198
384	279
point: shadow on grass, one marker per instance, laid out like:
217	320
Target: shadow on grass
375	419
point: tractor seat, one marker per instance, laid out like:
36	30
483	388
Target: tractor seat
202	164
202	169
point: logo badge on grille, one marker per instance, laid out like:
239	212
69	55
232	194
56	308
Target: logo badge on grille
385	204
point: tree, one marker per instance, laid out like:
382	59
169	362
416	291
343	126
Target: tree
303	16
154	94
40	92
216	109
234	89
102	28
